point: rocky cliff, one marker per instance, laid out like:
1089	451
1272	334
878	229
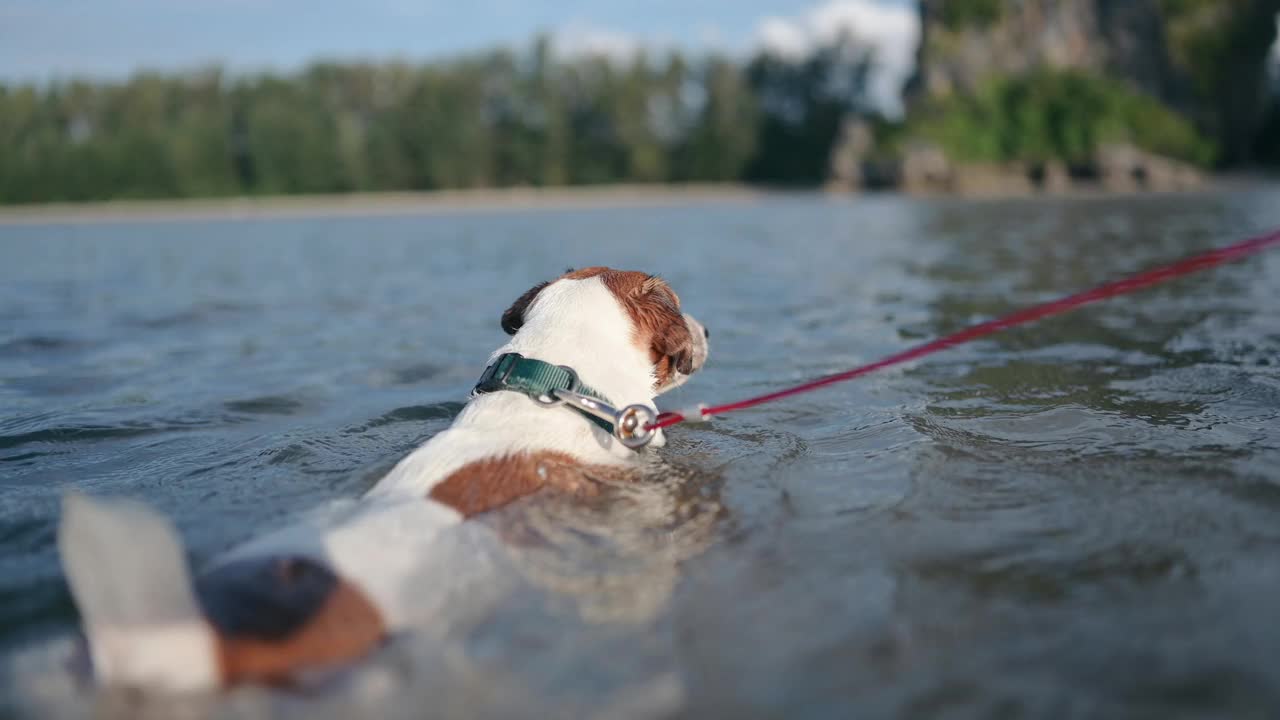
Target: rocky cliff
1205	58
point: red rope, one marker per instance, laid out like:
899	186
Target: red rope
1127	285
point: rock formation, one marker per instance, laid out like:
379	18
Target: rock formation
1207	59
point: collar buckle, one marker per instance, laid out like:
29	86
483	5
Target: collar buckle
630	425
586	404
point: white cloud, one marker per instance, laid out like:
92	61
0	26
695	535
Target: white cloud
892	31
783	37
584	40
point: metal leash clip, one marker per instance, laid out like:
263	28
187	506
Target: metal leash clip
630	424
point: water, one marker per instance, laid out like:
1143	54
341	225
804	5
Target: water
1078	519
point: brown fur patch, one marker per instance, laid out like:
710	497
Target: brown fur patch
659	325
489	484
345	627
584	273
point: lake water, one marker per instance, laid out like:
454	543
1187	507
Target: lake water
1076	519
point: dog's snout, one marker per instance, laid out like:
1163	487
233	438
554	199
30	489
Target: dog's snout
706	333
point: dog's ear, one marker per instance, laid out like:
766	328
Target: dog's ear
670	341
513	318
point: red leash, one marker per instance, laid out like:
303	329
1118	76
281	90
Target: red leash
1133	283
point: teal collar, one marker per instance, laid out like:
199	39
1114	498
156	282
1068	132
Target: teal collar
539	380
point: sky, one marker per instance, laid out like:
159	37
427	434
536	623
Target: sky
46	39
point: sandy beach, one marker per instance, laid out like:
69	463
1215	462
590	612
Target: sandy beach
376	204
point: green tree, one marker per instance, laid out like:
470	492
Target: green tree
1055	115
803	103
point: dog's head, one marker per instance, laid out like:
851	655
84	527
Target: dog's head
675	343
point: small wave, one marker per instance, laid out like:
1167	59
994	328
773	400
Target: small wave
265	405
412	413
76	433
407	375
22	457
41	428
191	316
38	343
294	453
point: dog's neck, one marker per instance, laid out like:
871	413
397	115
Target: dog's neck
580	324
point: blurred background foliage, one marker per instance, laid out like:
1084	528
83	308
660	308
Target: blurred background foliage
1056	115
971	13
490	120
533	118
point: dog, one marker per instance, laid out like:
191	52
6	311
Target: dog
331	589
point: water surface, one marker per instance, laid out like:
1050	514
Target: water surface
1081	518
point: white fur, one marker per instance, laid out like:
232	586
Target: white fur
174	658
130	579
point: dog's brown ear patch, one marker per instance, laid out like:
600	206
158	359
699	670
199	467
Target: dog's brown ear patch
513	318
659	325
586	272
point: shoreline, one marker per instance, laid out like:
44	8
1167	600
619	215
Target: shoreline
443	202
426	202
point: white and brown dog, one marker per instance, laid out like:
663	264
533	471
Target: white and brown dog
330	590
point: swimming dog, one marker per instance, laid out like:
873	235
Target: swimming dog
328	591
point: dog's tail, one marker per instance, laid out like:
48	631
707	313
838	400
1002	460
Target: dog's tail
129	577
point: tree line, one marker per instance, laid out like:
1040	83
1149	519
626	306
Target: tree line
496	119
530	118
